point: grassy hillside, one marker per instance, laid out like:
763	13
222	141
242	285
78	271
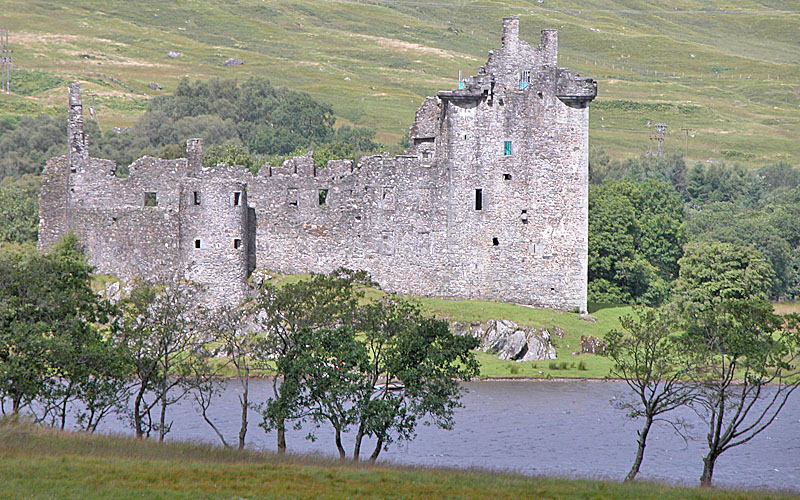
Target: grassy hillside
40	463
729	70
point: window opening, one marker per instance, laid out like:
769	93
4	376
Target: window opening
197	244
291	197
507	148
196	197
237	243
495	242
237	199
524	216
524	79
479	199
506	177
426	155
322	197
539	94
501	102
150	199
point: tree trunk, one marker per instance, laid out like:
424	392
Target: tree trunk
243	402
163	417
281	430
708	470
640	450
137	412
377	450
339	446
357	446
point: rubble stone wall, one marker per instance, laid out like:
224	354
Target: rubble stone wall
490	201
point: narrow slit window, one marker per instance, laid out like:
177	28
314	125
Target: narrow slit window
506	177
507	148
524	216
150	199
322	198
237	198
479	199
196	197
197	244
237	243
495	242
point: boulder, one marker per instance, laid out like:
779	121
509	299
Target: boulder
173	54
510	341
592	345
155	86
232	62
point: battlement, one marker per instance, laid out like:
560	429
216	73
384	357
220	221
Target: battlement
489	202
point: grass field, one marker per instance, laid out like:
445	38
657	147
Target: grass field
39	463
728	70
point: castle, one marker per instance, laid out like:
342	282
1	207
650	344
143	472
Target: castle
489	202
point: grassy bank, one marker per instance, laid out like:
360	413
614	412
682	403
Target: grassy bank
727	70
40	463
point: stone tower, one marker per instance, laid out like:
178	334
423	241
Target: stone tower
514	139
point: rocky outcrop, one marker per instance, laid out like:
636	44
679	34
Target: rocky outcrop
510	341
592	345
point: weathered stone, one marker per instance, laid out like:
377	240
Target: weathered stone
232	62
490	201
155	86
592	345
510	341
173	54
588	317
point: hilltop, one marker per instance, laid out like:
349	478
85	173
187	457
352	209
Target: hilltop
728	70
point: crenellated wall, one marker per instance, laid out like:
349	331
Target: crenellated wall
489	203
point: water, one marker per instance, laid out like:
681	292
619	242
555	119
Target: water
535	427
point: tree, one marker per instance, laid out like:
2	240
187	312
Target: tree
746	374
648	357
712	272
232	339
423	358
19	208
50	342
635	240
160	329
285	314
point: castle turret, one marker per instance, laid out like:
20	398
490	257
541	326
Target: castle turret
215	236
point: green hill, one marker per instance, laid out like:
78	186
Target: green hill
728	70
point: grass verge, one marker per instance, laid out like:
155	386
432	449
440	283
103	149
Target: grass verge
42	463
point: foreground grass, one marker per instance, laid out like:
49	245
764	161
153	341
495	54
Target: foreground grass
40	463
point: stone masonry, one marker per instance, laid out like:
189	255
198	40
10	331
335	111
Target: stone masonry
489	202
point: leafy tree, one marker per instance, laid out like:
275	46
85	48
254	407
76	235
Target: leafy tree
19	208
712	272
635	240
424	357
160	330
230	154
648	357
746	372
235	343
286	314
36	139
50	343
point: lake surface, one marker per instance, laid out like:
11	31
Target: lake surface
535	427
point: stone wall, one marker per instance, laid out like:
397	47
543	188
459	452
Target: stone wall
489	203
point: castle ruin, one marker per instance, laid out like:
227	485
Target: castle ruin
489	202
